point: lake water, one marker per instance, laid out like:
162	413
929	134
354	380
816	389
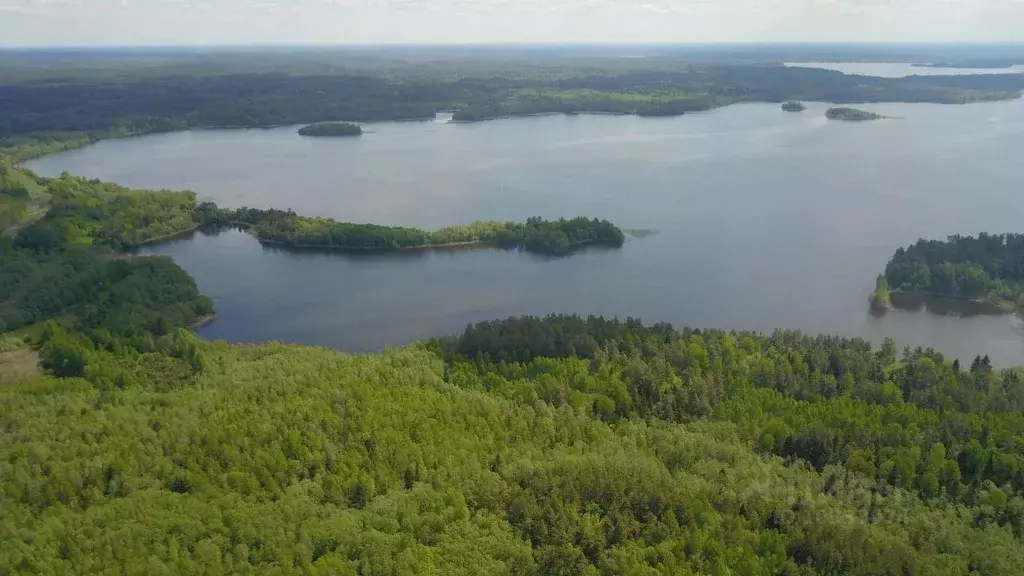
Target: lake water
901	69
764	219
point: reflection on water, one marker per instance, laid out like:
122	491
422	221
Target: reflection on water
945	306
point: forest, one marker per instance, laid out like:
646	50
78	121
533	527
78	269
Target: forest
557	445
66	109
989	267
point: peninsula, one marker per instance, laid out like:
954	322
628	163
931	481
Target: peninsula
986	269
285	228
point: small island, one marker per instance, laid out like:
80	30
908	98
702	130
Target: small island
851	114
793	106
985	270
326	129
286	228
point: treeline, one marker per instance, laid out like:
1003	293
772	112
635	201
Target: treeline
603	457
989	267
555	237
575	101
914	421
43	115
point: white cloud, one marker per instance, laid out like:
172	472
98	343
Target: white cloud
104	22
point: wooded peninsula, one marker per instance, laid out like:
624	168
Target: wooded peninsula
988	268
554	237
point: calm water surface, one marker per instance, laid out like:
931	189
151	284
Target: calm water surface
901	69
765	219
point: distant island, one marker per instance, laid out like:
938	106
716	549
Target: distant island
988	269
537	235
331	129
851	114
793	106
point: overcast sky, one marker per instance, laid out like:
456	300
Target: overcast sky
182	22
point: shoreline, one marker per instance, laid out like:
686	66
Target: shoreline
1003	305
336	248
201	321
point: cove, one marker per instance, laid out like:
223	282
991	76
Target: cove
764	219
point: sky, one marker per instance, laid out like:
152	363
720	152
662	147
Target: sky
242	22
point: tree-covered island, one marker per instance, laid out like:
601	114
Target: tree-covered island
793	106
851	114
328	129
554	237
989	268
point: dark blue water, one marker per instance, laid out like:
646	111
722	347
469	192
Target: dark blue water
765	219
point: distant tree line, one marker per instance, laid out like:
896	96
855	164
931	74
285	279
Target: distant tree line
41	117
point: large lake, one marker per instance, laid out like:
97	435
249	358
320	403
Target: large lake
901	69
765	219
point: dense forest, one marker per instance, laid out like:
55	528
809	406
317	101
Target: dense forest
66	109
555	237
989	267
528	446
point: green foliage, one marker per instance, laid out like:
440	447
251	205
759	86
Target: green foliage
880	298
298	460
331	129
851	114
89	212
989	267
825	400
555	237
793	106
120	301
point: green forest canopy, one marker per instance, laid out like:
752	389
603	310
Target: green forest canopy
989	267
556	237
647	451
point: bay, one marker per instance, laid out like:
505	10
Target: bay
764	219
